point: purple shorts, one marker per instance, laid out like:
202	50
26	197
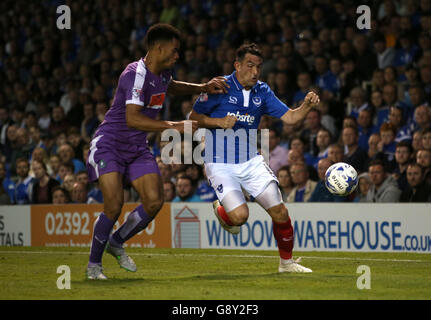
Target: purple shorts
131	160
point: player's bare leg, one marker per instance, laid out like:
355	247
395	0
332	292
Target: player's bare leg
111	185
233	213
270	200
150	189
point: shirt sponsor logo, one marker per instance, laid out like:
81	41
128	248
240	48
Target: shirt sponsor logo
242	117
233	100
156	101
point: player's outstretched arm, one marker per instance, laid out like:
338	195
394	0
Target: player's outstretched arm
207	122
214	86
294	116
136	120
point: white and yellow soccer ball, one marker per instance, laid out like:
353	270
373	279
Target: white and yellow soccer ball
341	179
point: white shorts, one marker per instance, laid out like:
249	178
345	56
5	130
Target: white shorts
253	176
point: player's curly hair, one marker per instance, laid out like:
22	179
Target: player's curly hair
161	32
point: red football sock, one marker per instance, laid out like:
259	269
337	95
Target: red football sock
283	233
222	213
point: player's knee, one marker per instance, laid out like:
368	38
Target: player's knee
239	216
113	210
153	206
279	213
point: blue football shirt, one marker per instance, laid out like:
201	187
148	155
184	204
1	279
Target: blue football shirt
238	144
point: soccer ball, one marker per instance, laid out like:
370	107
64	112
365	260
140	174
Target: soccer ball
341	179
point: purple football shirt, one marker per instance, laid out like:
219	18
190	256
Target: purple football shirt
137	85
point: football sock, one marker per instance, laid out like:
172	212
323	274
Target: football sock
283	233
102	229
222	214
137	221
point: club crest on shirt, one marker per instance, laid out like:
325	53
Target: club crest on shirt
203	97
136	92
257	101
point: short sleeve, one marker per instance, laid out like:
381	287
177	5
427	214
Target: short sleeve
132	84
274	106
206	103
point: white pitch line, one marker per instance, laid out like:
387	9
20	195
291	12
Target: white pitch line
223	255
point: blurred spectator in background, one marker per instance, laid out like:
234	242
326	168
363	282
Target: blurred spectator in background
387	143
423	158
185	190
304	187
277	153
365	127
7	187
76	142
203	190
353	154
417	189
285	182
169	191
79	193
312	125
336	153
403	153
23	148
58	123
63	170
54	163
68	182
364	183
67	155
60	195
42	189
383	187
323	140
426	138
24	183
89	123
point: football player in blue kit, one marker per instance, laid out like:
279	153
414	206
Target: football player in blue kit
232	161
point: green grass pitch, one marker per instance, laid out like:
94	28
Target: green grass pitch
193	274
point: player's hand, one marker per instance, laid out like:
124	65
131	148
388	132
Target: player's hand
227	122
311	99
216	85
181	125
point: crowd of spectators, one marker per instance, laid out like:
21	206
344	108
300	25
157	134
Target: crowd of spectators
374	85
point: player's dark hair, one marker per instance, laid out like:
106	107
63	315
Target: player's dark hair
250	48
161	32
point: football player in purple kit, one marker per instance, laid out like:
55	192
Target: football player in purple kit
119	146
